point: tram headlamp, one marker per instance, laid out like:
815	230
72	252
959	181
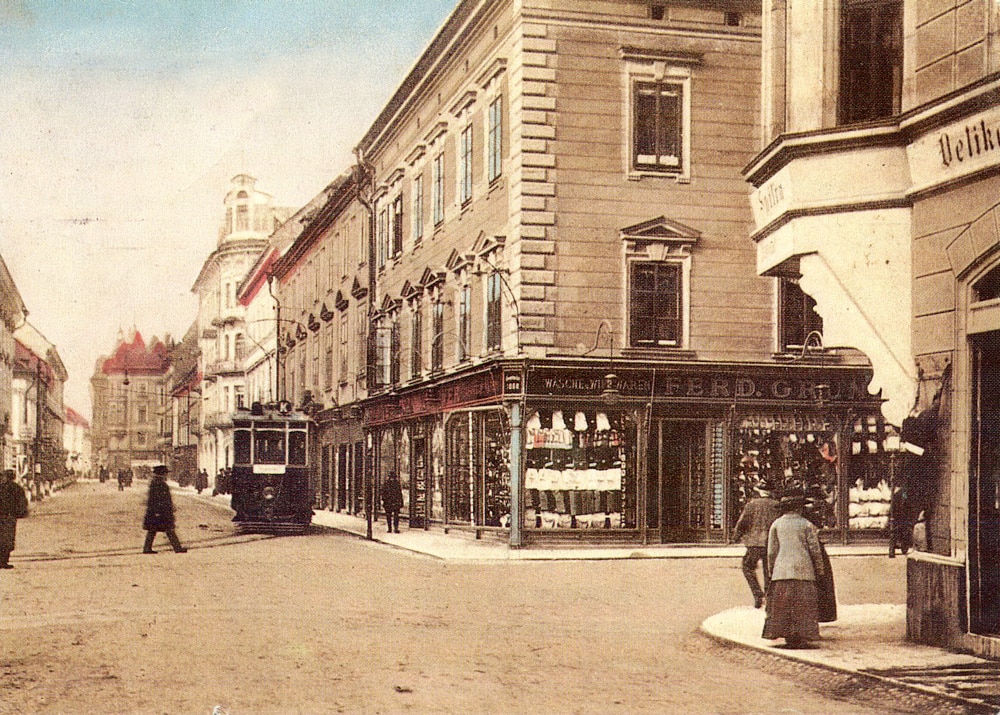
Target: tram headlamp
268	493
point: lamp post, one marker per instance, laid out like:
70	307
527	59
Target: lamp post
128	425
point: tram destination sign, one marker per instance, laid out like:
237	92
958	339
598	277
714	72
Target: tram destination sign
791	385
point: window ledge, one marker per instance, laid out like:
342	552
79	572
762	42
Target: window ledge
664	352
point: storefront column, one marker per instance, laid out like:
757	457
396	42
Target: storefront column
516	513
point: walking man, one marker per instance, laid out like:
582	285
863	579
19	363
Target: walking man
13	506
752	528
160	512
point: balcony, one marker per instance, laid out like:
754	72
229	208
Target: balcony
224	367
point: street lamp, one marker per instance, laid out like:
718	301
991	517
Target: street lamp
814	343
128	425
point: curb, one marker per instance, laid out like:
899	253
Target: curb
976	705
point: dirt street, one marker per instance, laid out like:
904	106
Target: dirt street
328	623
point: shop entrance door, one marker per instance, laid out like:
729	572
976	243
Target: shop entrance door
676	484
418	483
984	486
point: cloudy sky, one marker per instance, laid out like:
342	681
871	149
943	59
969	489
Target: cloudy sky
124	120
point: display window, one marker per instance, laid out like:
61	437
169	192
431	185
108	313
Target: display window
874	447
477	469
778	452
578	470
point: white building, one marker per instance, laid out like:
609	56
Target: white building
250	217
12	314
76	442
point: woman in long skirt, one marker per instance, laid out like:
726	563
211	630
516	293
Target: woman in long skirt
796	561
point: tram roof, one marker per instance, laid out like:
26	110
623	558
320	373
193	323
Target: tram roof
248	417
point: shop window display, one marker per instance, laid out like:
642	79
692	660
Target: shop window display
577	472
784	451
478	469
874	446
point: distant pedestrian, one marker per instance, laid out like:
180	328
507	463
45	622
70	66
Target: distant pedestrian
752	527
13	506
160	512
201	481
796	562
392	501
121	480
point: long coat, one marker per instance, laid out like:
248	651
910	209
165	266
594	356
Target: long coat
159	507
13	506
392	495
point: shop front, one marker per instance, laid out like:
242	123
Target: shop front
339	455
654	453
670	453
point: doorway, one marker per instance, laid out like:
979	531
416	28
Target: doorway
676	484
984	486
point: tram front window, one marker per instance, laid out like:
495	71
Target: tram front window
241	446
297	448
269	447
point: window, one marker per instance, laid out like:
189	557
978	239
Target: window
655	304
344	328
417	342
465	165
418	208
493	310
241	347
494	147
394	353
797	317
382	236
871	59
242	217
397	225
437	198
658	127
464	323
437	343
328	366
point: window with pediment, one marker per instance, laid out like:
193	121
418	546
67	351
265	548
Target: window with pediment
658	270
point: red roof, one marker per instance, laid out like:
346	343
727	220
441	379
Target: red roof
75	418
25	359
137	358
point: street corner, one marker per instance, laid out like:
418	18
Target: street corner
737	626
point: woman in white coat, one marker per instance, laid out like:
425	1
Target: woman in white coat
796	562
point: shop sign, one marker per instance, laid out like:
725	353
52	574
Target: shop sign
513	382
772	199
708	385
472	390
956	150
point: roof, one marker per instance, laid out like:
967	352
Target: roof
75	418
137	359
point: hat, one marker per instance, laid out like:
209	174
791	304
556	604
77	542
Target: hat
160	469
793	498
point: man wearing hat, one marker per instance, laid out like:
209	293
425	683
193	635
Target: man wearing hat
13	506
752	527
160	512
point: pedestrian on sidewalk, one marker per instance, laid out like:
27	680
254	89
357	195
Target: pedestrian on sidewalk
201	481
751	528
13	506
796	562
392	501
160	512
826	592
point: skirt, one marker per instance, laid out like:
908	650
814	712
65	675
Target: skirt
791	611
826	593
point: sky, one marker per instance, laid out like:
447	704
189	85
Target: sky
124	121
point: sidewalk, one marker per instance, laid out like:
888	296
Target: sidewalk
869	641
463	547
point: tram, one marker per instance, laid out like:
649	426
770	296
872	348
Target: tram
270	480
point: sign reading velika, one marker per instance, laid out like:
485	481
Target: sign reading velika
956	150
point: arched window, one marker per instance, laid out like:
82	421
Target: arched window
987	287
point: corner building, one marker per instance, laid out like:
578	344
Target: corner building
564	338
880	193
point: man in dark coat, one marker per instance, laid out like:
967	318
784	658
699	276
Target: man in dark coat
160	512
13	506
392	501
752	528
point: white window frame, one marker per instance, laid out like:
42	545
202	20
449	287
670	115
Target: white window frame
660	71
466	141
684	261
494	139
